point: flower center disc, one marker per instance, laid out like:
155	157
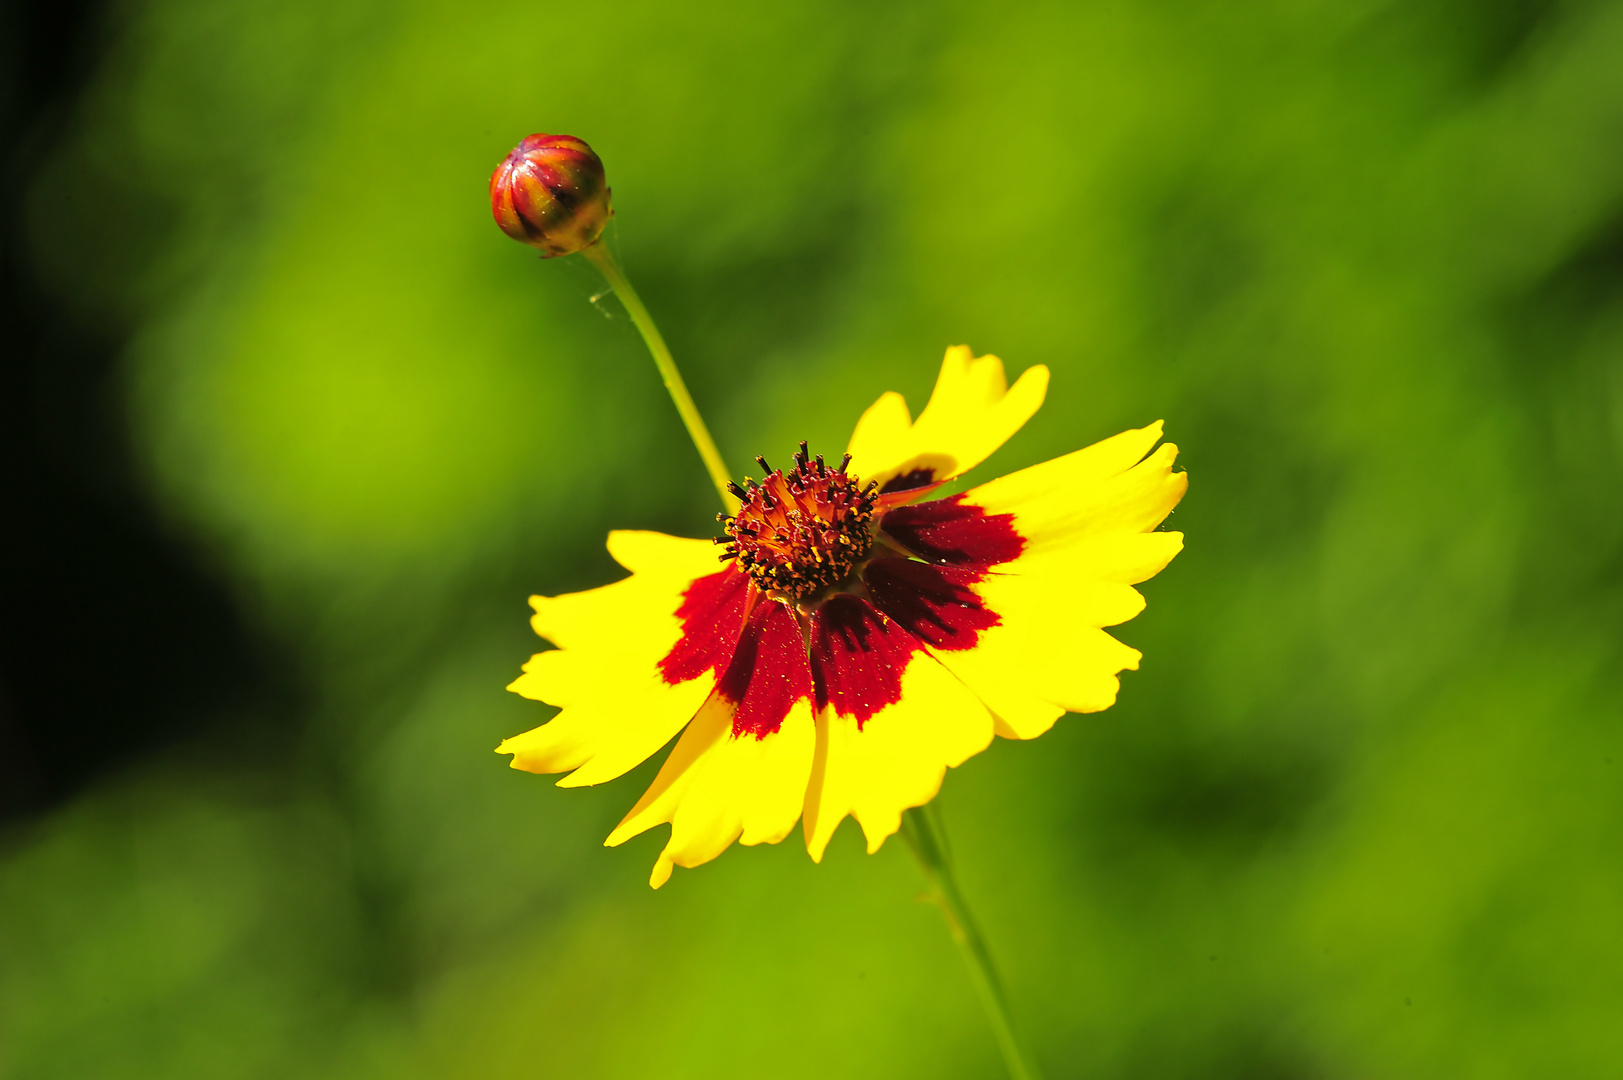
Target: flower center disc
802	530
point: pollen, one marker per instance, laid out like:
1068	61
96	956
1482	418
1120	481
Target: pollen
801	530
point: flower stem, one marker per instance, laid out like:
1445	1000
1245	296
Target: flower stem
605	261
926	838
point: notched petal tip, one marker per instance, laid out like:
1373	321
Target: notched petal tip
522	761
528	684
816	840
876	835
1034	721
578	778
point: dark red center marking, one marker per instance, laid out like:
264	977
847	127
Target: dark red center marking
857	657
712	614
933	603
907	481
857	651
952	531
768	673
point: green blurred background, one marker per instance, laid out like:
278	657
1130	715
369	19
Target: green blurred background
1359	813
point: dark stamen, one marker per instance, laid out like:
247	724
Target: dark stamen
800	531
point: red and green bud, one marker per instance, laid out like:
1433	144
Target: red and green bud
550	193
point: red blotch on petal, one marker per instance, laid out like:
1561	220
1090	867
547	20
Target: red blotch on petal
857	657
712	614
951	531
933	603
768	673
907	481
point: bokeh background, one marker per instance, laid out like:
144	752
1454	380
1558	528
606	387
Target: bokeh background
291	431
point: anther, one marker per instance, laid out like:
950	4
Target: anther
800	531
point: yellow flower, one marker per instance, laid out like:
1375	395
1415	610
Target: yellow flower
858	638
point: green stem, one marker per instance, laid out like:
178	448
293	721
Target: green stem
922	830
605	261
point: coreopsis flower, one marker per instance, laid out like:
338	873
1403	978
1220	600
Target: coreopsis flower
550	192
862	634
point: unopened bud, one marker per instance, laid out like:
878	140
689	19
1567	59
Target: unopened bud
550	193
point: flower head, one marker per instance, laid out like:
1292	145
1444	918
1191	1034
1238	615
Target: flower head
860	636
550	193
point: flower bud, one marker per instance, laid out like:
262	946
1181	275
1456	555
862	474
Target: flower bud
550	193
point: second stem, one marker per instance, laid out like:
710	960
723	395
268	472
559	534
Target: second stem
921	828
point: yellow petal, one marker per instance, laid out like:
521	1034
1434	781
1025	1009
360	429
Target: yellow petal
893	760
605	736
971	413
659	564
717	787
643	551
617	708
1098	491
1047	655
1085	520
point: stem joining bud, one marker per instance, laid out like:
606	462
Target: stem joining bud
550	193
